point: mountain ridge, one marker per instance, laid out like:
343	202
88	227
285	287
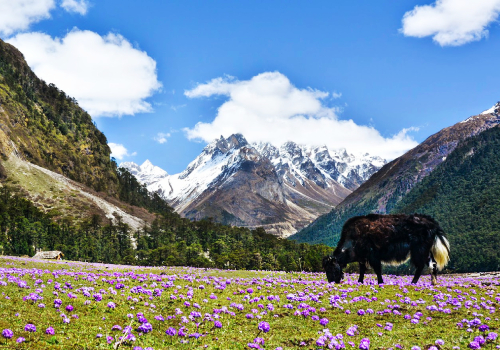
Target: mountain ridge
382	192
259	185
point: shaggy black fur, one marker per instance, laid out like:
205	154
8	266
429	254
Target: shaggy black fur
375	239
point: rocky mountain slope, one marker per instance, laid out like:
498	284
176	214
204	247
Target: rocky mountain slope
259	185
382	192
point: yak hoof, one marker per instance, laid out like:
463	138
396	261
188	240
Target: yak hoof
433	280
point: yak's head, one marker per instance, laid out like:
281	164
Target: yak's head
333	270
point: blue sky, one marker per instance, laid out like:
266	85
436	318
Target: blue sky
343	73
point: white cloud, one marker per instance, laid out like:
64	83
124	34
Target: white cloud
451	22
161	137
16	15
79	6
268	108
106	74
119	151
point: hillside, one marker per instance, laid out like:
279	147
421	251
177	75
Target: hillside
42	125
41	128
382	192
463	194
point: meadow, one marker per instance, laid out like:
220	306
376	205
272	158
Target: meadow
75	305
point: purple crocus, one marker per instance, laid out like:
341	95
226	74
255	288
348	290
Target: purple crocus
20	340
171	331
484	328
69	308
145	327
30	327
7	333
50	331
264	327
364	344
492	336
474	345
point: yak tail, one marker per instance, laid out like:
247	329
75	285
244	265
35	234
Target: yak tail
441	250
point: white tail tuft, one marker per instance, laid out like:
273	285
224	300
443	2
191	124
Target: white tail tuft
440	250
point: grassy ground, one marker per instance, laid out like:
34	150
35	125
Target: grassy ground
296	306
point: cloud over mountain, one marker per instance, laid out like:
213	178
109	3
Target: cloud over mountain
268	108
451	22
106	74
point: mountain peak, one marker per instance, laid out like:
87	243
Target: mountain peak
224	145
147	165
492	110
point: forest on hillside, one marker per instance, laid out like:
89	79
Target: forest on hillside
463	195
169	240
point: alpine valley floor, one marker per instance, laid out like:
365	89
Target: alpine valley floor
76	305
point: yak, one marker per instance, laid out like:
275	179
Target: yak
376	239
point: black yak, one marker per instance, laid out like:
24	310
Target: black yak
389	239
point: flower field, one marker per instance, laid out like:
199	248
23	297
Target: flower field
72	305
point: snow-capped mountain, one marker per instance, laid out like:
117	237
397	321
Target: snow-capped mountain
147	173
280	188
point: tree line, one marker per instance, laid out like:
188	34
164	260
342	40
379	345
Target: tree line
170	240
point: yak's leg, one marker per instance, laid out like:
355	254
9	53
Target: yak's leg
362	270
434	271
377	267
418	273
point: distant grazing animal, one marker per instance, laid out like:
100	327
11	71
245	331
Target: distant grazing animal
389	239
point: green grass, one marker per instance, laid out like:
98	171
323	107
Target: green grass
286	330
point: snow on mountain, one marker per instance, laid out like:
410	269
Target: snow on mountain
298	181
295	162
146	173
492	110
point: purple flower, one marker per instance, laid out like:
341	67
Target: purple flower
439	342
20	340
217	324
7	333
145	328
364	344
361	312
484	328
480	339
171	331
98	335
264	327
116	328
323	321
474	345
111	305
50	331
492	336
30	327
69	308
